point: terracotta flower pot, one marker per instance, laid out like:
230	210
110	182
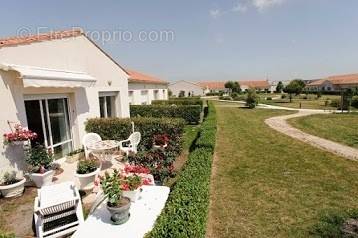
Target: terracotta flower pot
13	190
120	214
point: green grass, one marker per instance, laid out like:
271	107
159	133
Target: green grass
266	184
342	128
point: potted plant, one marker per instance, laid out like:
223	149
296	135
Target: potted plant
117	204
87	170
39	160
160	141
130	186
75	156
18	136
11	186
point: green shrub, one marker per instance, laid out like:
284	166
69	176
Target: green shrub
354	102
185	213
334	224
179	101
215	94
190	113
269	98
86	166
228	98
38	157
283	96
252	99
240	98
120	129
6	235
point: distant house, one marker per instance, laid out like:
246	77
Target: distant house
143	88
186	88
52	83
219	86
273	85
334	83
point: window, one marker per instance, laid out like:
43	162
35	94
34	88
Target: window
107	104
131	97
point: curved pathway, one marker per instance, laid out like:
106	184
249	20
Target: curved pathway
280	124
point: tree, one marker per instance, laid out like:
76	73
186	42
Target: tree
279	87
229	85
294	87
236	88
252	99
181	94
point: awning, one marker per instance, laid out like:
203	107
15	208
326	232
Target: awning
43	77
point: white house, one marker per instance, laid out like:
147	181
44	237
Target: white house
51	83
186	88
142	88
334	83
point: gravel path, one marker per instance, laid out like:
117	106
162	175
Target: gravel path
280	124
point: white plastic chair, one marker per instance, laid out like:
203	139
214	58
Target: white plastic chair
133	142
89	139
57	210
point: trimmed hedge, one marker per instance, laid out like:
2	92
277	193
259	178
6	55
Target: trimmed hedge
120	129
179	101
190	113
185	213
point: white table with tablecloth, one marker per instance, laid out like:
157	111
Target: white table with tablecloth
143	214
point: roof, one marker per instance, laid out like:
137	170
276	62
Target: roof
193	83
137	77
54	35
262	84
337	80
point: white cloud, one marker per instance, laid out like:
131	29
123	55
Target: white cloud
215	13
261	5
239	7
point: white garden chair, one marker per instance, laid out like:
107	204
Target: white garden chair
57	210
131	144
89	139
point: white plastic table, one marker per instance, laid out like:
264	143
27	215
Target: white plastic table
143	214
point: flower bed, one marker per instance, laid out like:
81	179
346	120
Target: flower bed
186	211
119	129
190	113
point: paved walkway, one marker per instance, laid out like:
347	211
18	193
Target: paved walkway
280	124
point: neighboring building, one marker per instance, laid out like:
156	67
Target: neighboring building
334	83
273	85
212	86
187	88
52	83
142	88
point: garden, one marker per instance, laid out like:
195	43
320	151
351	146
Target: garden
173	144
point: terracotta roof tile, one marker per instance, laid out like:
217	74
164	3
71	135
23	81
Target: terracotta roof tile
337	80
259	84
14	41
137	77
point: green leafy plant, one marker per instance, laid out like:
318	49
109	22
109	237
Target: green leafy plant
185	213
38	158
86	166
131	182
10	178
111	185
190	113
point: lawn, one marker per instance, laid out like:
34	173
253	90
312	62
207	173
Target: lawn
342	128
310	103
266	184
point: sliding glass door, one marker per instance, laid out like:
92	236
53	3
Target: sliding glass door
49	117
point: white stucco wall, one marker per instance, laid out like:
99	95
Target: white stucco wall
187	87
136	91
71	54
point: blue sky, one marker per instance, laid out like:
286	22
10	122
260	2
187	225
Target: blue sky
213	40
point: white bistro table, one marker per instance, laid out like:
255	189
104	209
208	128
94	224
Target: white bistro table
143	214
104	149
